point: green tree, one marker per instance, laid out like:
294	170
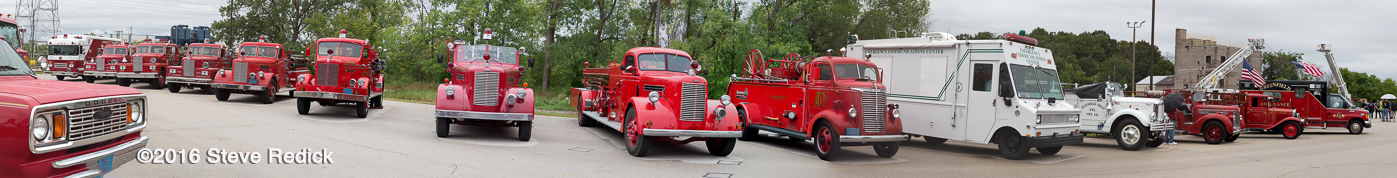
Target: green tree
282	21
1278	67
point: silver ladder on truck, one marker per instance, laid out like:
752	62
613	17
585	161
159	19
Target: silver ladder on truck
1210	81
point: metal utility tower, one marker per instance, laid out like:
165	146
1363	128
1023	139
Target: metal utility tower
40	16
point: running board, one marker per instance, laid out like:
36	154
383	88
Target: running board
608	123
788	133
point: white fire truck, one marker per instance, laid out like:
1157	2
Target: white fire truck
1002	91
68	53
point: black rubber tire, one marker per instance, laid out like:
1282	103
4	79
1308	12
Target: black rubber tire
89	79
174	88
376	102
1130	125
641	147
1155	141
269	96
1355	127
207	89
1232	138
1011	145
1288	134
832	138
302	106
720	146
934	140
221	94
886	149
123	82
158	82
362	110
443	124
1214	137
1049	150
526	130
60	78
748	133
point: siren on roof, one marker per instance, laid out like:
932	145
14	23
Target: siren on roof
343	33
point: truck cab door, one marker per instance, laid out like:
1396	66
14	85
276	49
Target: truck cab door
818	97
626	86
984	100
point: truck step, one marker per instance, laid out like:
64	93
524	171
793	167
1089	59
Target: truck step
788	133
597	116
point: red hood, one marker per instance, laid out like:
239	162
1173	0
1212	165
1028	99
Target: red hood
50	91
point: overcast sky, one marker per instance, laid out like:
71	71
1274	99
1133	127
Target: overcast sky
1360	31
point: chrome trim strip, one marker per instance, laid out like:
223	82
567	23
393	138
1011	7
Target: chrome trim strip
99	74
136	75
187	80
91	157
331	95
691	133
71	74
239	87
485	115
878	138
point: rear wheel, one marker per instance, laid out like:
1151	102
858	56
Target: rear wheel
526	130
1049	150
89	79
303	107
934	140
60	78
1129	135
1213	132
1291	130
636	144
443	124
1232	138
376	102
221	94
1012	146
721	146
362	109
826	141
1355	127
886	149
174	88
123	82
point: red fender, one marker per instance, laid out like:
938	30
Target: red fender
309	79
1297	120
659	115
172	70
727	122
457	102
222	76
580	96
1226	122
523	105
378	86
755	112
836	119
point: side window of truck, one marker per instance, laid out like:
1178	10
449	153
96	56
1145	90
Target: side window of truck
983	73
825	73
1006	88
630	62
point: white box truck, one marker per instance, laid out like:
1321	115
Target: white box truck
1003	91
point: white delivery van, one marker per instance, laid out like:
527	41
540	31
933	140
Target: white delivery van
1003	91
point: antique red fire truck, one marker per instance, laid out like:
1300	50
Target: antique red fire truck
1213	115
65	129
263	69
1314	102
836	101
496	97
147	65
347	70
652	94
68	54
104	66
200	63
1271	112
14	34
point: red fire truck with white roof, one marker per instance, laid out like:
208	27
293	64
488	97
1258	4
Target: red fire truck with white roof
200	63
147	64
68	54
346	70
263	69
13	34
104	66
491	94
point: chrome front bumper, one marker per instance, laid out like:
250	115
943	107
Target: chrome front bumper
332	95
875	138
136	75
61	73
121	154
187	80
691	133
239	87
99	74
500	116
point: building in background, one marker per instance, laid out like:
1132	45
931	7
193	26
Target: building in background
1160	83
1195	55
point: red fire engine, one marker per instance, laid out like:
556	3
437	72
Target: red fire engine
263	69
347	70
147	64
490	93
201	62
104	66
837	101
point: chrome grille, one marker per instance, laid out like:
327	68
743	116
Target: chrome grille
60	65
325	74
692	101
487	88
874	105
136	64
239	72
188	67
81	124
1056	118
101	63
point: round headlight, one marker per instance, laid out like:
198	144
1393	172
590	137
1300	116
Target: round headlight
726	100
720	113
40	128
521	94
897	114
1039	120
853	112
152	67
251	75
654	96
509	99
363	83
352	82
300	78
137	115
261	74
450	91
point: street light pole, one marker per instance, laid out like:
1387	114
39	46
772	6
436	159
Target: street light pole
1134	27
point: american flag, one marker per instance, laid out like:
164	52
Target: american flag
1251	74
1309	68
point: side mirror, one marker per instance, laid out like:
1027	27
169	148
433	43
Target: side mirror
1005	90
813	75
439	59
531	62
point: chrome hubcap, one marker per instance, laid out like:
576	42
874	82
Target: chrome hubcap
1130	134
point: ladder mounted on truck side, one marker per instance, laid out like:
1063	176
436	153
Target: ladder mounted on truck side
1334	67
1210	81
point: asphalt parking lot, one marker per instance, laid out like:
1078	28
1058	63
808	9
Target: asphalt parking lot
399	141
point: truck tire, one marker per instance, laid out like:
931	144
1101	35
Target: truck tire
443	124
158	82
1049	150
174	88
269	96
60	78
720	146
1355	127
89	79
636	144
886	149
1213	132
1290	130
1130	134
376	102
934	140
748	133
1011	145
826	141
526	130
303	106
1155	141
207	89
123	82
221	94
362	109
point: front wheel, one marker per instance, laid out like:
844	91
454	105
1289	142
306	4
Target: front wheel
174	88
1049	150
637	145
443	125
526	130
123	82
221	94
934	140
60	78
721	146
1291	130
1129	135
826	141
1232	138
1012	146
1355	127
158	82
89	79
748	133
362	110
886	149
303	106
1213	133
376	102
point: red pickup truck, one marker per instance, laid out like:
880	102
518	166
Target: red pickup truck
837	101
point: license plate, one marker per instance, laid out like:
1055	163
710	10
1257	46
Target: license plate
851	131
348	91
252	81
105	164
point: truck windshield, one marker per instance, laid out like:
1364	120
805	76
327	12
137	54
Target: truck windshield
205	51
67	50
342	49
664	62
117	51
1115	89
498	54
856	71
1336	101
10	62
1033	82
150	49
261	51
10	32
